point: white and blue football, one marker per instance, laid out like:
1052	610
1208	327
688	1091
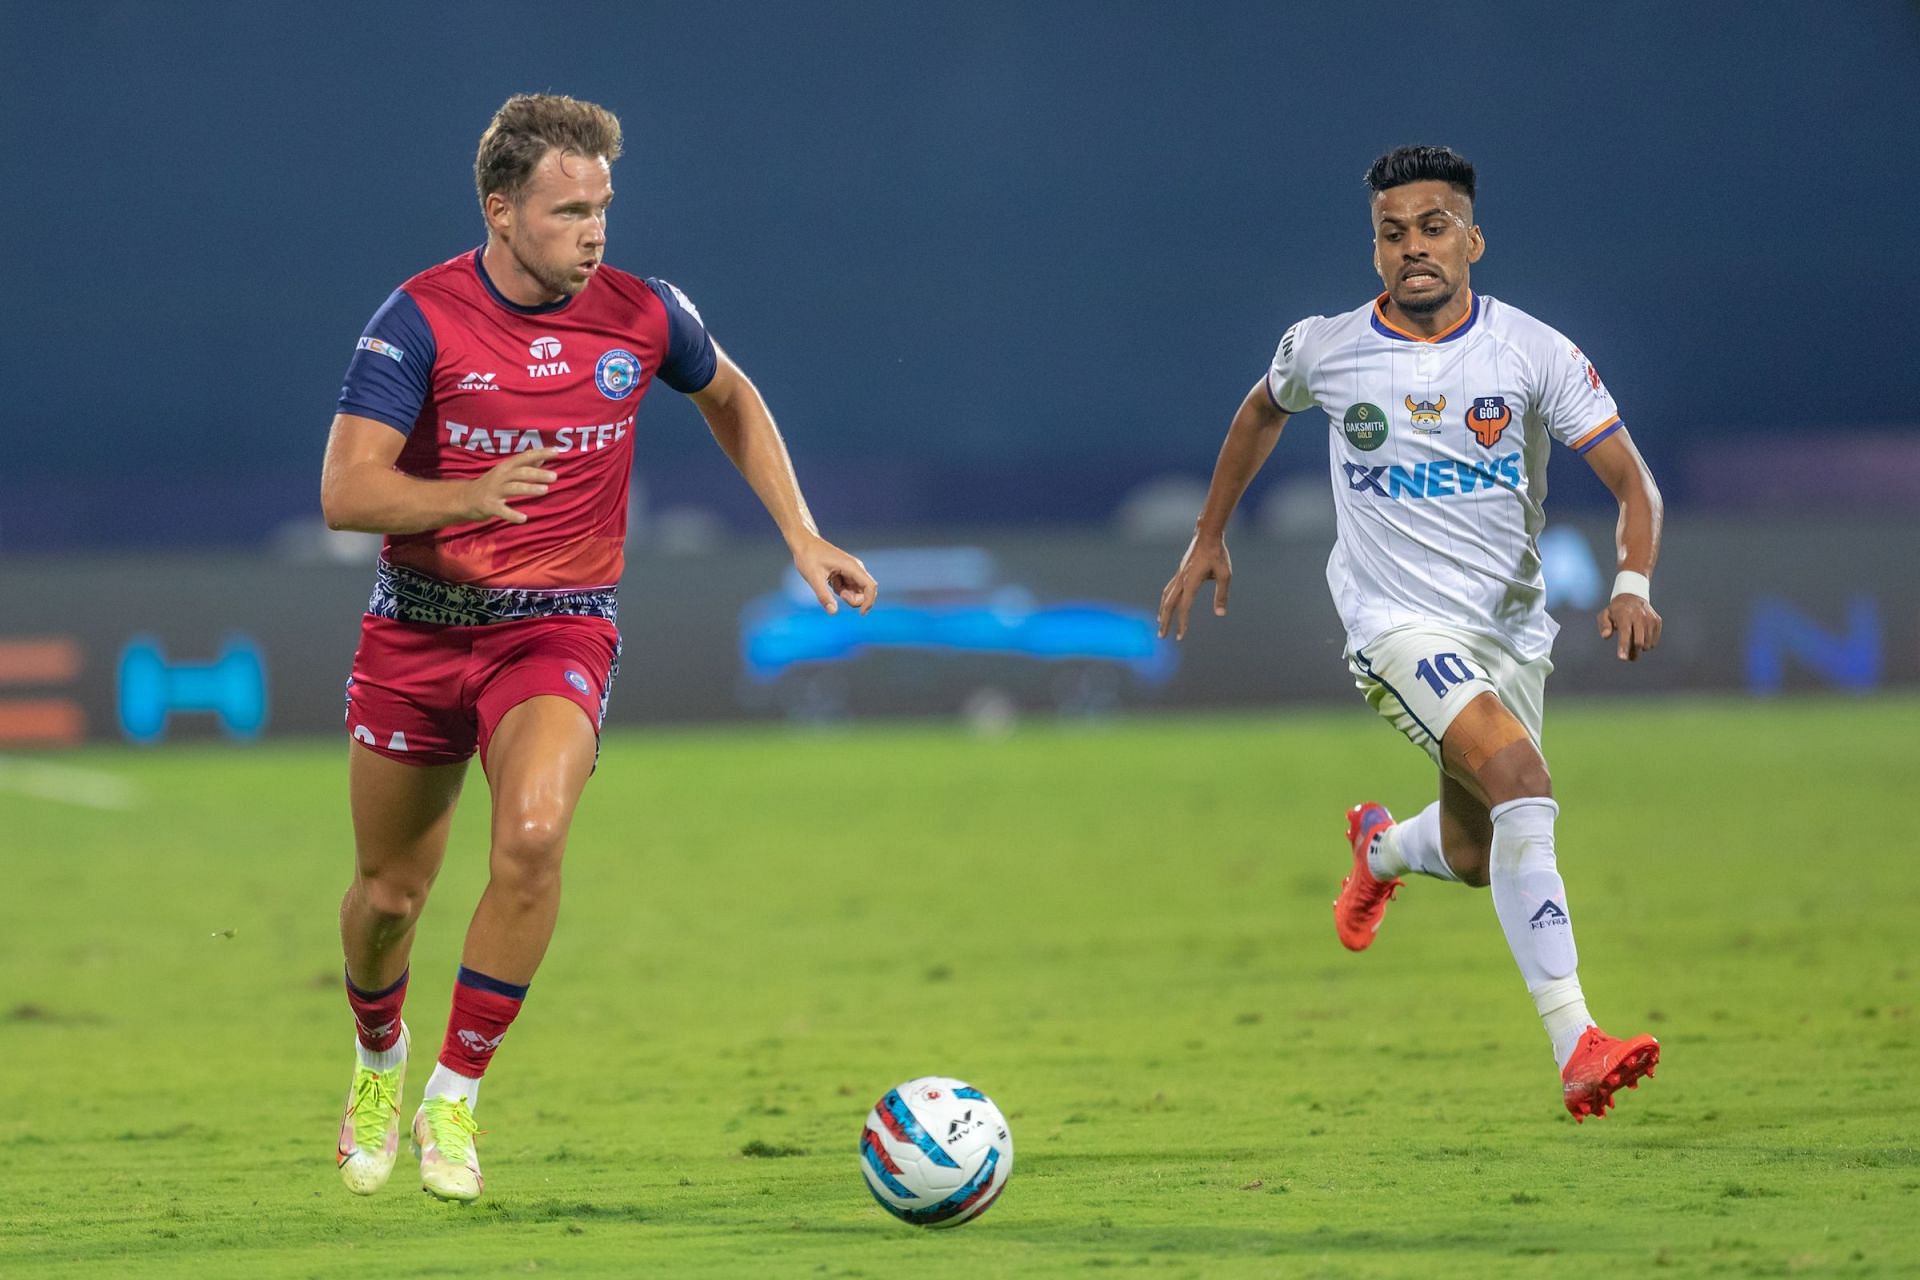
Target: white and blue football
936	1152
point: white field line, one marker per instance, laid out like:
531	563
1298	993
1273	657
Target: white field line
66	784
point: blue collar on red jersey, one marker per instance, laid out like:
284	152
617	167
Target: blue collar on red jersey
1388	329
545	308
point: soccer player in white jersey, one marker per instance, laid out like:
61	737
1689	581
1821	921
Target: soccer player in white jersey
1443	406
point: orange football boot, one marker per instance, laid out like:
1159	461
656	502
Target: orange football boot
1363	899
1600	1065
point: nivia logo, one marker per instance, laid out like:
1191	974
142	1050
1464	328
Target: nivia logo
1440	478
479	382
544	348
479	1043
1547	916
957	1127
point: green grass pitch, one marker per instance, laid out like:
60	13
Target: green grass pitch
1121	932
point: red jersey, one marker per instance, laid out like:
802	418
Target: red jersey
469	378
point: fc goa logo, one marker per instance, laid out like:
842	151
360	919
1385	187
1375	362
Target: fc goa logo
1488	418
1426	414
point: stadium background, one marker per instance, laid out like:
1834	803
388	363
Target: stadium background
1002	271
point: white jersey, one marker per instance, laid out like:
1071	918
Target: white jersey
1438	452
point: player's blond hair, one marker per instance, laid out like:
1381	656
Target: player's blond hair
526	125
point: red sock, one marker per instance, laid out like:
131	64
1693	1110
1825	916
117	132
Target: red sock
483	1009
376	1014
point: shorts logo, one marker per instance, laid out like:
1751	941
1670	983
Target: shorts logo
577	680
617	374
1365	426
1426	414
1487	418
380	347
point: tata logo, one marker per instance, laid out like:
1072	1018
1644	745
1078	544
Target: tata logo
546	354
1426	414
1440	478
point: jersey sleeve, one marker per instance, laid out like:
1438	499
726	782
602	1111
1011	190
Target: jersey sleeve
1287	376
690	358
390	374
1575	404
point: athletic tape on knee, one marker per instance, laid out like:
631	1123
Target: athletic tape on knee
1528	894
1482	731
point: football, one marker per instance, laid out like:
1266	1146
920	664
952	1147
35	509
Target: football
936	1152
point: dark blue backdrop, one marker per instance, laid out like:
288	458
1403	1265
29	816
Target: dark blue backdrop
997	260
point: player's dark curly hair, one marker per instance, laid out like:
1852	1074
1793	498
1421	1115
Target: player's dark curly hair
1421	164
526	125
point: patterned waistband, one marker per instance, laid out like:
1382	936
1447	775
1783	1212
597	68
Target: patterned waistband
408	596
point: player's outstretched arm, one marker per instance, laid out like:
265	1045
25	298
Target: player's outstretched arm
1255	430
1629	617
361	490
744	428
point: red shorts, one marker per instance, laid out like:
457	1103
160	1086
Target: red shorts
433	695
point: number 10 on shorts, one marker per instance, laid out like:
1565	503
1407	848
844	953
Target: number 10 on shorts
1442	671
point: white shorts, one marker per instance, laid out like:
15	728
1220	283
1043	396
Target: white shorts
1419	677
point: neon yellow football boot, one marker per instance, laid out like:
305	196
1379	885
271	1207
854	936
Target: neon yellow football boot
443	1137
370	1130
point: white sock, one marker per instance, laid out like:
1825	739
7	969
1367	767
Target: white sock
383	1059
448	1083
1413	845
1531	901
1563	1010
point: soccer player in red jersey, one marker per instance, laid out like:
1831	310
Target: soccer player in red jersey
486	427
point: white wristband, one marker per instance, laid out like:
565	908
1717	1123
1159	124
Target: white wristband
1629	583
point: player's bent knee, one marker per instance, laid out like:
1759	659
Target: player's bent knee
1488	743
526	855
1519	773
394	900
531	837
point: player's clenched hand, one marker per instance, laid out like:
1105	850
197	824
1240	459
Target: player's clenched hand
524	475
1204	560
835	575
1633	620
